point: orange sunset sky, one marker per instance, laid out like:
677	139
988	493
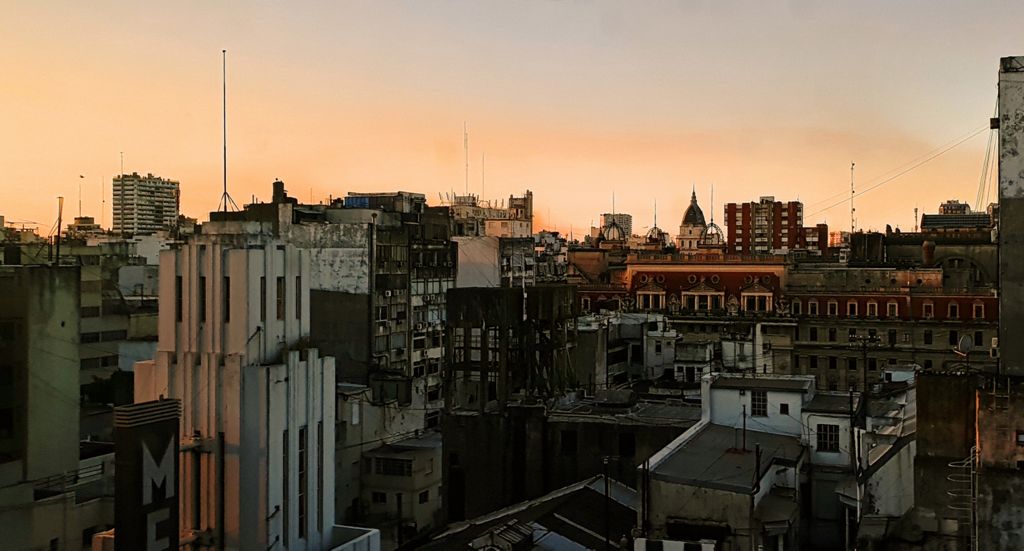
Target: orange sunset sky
572	99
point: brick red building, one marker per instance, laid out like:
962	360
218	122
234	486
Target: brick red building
768	226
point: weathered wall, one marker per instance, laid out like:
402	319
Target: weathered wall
1011	213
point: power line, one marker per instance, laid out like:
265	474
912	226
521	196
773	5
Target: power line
913	166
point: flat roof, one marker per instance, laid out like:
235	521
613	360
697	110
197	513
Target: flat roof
791	384
710	459
832	402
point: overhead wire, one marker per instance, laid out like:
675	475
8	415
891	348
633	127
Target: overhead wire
901	172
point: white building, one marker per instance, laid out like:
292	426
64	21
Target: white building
144	204
257	403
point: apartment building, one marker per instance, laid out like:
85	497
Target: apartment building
143	204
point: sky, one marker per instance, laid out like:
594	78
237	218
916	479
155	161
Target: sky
574	100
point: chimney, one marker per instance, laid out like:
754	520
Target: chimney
279	193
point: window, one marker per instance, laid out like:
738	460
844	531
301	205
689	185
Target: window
797	307
627	444
851	309
831	334
978	338
379	498
812	334
893	310
833	308
851	334
226	299
812	362
927	364
783	409
569	442
812	308
303	477
953	310
833	362
979	311
657	347
177	298
851	363
758	403
1020	437
202	299
279	298
872	364
263	299
828	438
389	466
298	297
285	446
424	496
928	310
927	336
892	337
954	338
430	466
872	309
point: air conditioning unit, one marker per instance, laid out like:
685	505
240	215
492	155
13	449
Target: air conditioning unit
387	293
995	342
419	326
993	352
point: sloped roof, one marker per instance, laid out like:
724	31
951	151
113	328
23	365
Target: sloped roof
693	215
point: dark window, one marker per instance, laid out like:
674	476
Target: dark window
1020	437
927	364
298	297
954	311
227	299
424	496
319	474
569	442
852	334
831	334
263	299
434	394
812	308
284	485
90	311
177	298
389	466
812	362
833	362
379	498
928	336
872	364
759	403
784	409
828	438
303	481
892	336
851	363
627	444
954	338
978	338
979	311
812	334
279	297
202	299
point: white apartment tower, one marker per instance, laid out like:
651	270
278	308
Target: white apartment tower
144	204
257	426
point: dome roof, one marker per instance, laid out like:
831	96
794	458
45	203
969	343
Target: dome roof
693	215
612	232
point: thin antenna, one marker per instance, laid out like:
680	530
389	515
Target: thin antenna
655	213
613	202
80	178
103	201
122	163
465	149
60	214
225	199
483	175
853	220
915	219
712	202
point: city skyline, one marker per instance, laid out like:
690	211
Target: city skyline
573	104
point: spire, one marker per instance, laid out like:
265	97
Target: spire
655	213
712	202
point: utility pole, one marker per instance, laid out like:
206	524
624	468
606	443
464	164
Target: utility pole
864	342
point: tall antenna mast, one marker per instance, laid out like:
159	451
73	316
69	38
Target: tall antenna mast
853	220
465	149
103	201
483	175
80	178
225	199
915	219
655	213
712	203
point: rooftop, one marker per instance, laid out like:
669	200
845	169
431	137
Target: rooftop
789	384
832	402
711	458
572	517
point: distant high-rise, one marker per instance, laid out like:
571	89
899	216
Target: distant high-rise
767	226
144	204
621	219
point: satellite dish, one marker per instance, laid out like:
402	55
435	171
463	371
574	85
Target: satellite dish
965	344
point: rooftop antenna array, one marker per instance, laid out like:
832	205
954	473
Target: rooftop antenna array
225	198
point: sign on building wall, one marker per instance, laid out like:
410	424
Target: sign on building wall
146	476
